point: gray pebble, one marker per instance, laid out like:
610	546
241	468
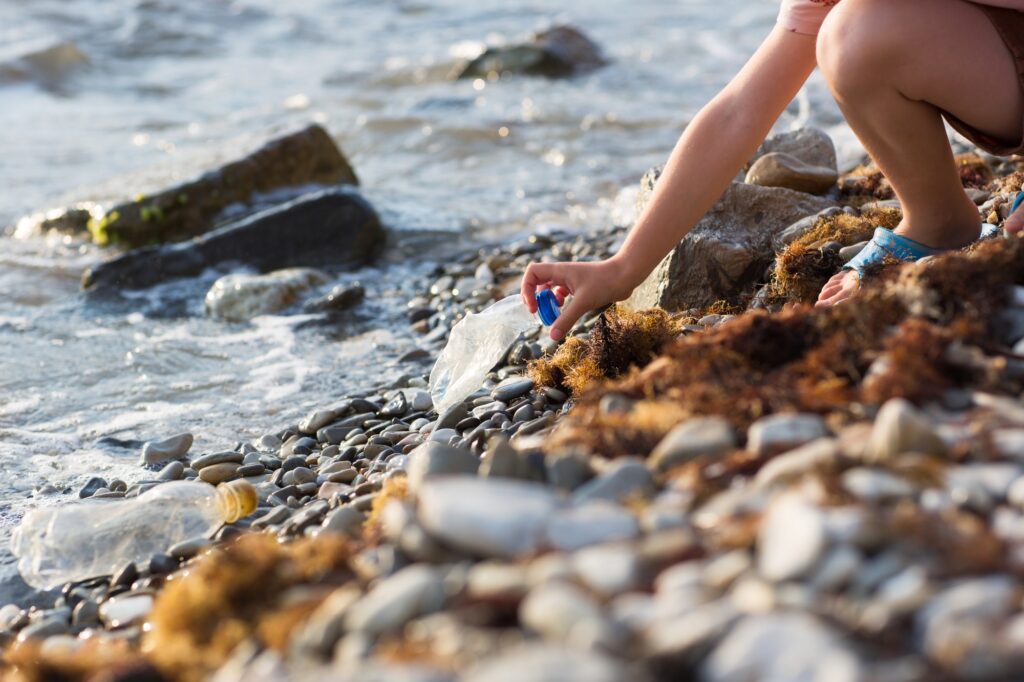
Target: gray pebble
91	487
170	448
512	388
227	456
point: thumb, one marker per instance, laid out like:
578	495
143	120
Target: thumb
568	317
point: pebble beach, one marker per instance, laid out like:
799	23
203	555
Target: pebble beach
712	480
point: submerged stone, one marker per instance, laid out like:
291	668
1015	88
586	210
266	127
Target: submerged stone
555	53
241	297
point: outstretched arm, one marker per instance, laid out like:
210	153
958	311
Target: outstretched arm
715	145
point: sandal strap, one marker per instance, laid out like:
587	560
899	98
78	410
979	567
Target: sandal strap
1017	202
887	244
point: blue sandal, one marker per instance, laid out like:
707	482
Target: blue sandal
887	244
1017	202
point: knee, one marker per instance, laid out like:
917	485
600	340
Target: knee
858	45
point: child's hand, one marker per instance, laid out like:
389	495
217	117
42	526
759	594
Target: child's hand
591	285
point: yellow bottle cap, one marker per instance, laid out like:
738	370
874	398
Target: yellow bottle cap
236	499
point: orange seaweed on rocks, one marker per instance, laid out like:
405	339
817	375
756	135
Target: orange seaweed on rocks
394	489
620	339
893	339
802	269
256	588
31	661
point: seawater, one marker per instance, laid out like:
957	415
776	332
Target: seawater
102	99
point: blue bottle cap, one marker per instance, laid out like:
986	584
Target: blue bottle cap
547	307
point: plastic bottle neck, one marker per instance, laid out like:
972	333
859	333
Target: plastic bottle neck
236	500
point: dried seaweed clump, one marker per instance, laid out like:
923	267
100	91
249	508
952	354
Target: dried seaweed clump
28	661
802	269
621	339
894	339
1014	182
865	182
236	594
394	489
974	172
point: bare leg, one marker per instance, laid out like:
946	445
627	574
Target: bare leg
892	66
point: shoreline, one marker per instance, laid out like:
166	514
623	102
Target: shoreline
599	533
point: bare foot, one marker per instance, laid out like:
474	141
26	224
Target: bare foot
1015	223
842	286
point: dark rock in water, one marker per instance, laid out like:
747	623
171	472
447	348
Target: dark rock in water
341	297
556	53
305	157
728	250
120	443
332	227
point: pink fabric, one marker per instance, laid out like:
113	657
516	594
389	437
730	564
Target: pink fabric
805	16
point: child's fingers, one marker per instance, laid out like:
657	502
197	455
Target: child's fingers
541	275
561	293
568	317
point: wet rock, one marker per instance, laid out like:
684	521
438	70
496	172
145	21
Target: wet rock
91	486
728	250
43	628
411	592
811	146
125	610
704	436
169	448
791	539
781	432
308	156
490	517
219	473
241	297
783	646
591	524
555	53
777	169
227	456
512	388
340	298
624	477
437	459
330	228
900	427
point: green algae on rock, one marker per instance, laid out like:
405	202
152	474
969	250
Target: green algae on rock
308	156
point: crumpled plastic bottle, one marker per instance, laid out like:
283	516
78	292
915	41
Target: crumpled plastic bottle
56	545
477	343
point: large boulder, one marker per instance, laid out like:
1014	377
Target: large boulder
308	156
729	249
555	53
330	228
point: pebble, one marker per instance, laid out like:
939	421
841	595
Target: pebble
345	520
791	538
592	523
226	457
395	407
781	432
47	627
491	580
624	477
85	614
543	662
172	472
875	485
782	469
608	570
452	416
490	517
555	609
91	486
219	473
413	591
704	436
899	427
444	435
421	402
125	609
782	646
254	469
512	388
316	421
170	448
436	459
186	549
